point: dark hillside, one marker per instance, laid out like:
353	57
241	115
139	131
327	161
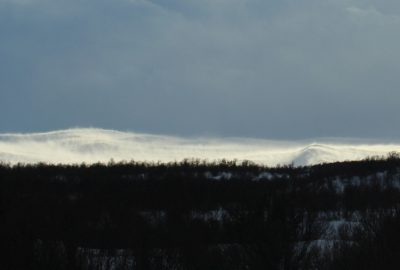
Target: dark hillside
199	215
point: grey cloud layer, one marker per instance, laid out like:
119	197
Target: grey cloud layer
276	69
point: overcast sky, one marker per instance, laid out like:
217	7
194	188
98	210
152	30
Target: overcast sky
278	69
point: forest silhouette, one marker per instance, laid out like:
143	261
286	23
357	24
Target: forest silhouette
200	215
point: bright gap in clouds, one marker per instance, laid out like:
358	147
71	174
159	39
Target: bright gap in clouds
98	145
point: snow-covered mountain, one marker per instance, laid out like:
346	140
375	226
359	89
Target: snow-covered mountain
97	145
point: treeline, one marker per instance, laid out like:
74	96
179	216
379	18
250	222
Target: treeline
200	215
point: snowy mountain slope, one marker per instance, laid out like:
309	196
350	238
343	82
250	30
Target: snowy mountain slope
94	145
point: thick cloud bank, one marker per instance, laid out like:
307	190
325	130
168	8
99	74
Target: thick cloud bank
93	145
250	68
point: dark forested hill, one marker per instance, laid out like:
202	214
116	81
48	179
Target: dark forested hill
199	215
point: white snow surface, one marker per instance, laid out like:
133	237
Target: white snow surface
90	145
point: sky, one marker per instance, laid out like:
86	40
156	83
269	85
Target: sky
273	69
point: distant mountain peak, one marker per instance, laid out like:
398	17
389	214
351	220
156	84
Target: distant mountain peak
92	145
315	153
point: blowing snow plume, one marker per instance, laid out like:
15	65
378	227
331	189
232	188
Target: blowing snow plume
97	145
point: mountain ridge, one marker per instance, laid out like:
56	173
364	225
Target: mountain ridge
91	145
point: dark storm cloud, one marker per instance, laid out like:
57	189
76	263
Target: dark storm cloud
275	69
